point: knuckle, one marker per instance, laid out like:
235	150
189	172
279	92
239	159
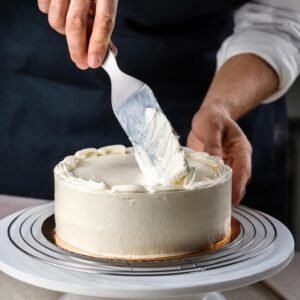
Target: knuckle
75	23
216	124
105	22
98	43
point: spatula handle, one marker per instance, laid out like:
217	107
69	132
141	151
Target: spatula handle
110	63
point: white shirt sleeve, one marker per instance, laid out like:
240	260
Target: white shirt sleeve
269	29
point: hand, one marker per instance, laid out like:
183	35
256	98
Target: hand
87	24
214	132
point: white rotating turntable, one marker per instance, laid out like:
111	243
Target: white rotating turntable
262	247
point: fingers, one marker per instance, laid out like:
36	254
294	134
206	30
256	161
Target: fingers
76	31
103	26
241	172
57	14
217	134
238	154
44	5
87	24
213	143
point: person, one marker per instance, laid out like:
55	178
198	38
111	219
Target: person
50	108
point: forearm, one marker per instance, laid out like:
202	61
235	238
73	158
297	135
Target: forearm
269	29
241	84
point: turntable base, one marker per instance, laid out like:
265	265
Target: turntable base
262	248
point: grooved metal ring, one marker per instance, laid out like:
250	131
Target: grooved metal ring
257	235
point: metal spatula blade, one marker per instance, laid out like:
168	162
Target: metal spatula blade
157	149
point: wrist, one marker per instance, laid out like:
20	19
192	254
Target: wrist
217	105
241	84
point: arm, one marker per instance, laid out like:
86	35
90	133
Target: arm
239	85
269	29
257	64
242	83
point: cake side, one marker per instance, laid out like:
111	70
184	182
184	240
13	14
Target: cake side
138	222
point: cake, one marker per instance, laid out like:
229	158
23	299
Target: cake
104	207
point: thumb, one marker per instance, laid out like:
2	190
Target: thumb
194	143
213	143
208	131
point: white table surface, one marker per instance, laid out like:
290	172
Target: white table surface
284	285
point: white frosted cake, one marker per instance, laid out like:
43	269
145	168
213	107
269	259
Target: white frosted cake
104	207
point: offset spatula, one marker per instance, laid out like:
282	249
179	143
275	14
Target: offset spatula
156	145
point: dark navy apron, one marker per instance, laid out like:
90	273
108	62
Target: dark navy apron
49	109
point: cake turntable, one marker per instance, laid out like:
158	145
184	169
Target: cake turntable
262	247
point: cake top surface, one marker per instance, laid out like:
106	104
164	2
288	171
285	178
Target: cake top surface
114	168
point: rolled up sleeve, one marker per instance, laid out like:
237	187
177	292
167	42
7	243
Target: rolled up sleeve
269	29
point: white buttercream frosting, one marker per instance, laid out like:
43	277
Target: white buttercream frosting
160	156
114	168
105	206
156	144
